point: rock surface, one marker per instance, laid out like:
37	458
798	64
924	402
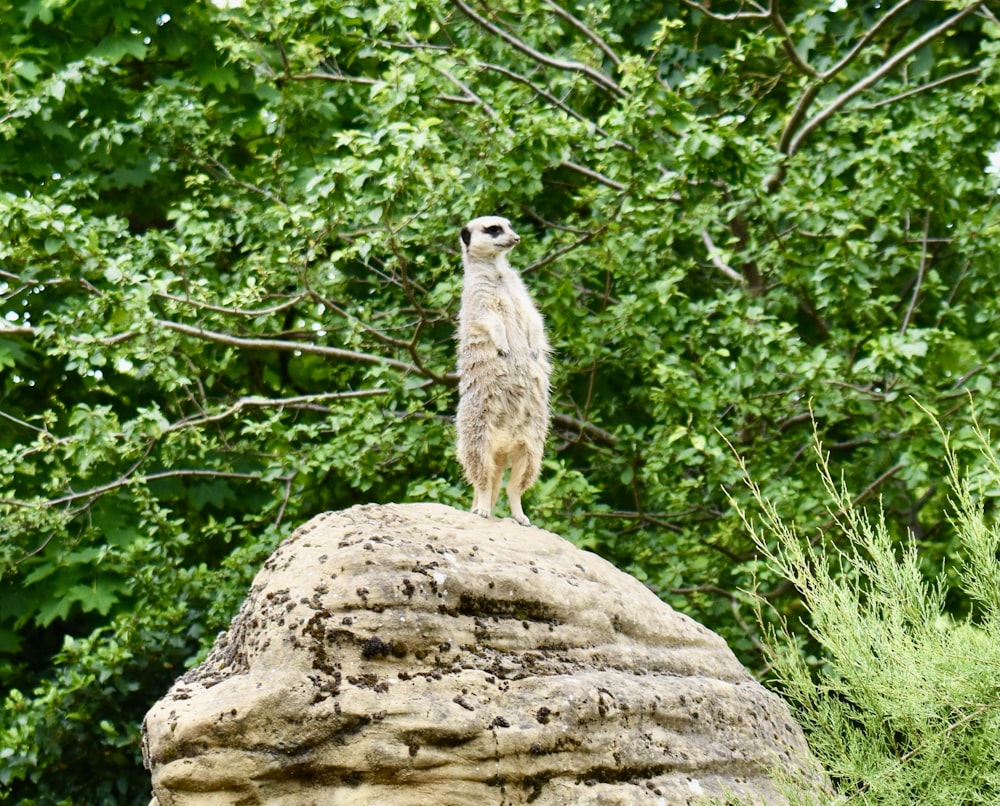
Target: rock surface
415	654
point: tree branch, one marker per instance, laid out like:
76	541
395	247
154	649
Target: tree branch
786	40
278	345
852	54
718	262
580	428
17	330
587	32
599	78
890	64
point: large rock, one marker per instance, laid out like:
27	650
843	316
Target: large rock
421	655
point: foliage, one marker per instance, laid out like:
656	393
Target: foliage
900	706
228	288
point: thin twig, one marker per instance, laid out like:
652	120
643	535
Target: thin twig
128	478
228	176
760	14
558	253
930	85
20	422
917	285
322	75
552	99
592	174
231	311
256	401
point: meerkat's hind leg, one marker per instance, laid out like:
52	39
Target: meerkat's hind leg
484	498
499	466
480	502
521	471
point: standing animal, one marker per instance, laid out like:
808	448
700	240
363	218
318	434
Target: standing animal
504	370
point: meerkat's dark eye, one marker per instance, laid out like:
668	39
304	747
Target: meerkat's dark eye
494	230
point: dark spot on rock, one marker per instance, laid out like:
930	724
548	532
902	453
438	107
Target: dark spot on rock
364	681
500	722
496	780
375	647
414	748
543	715
347	621
460	700
408	588
535	749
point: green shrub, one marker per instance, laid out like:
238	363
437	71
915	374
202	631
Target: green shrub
900	700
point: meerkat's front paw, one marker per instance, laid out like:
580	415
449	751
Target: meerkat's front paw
521	519
482	513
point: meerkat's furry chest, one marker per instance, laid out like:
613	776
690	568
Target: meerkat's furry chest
505	297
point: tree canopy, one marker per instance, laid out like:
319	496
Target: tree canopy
229	279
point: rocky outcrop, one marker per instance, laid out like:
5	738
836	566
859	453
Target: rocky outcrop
415	654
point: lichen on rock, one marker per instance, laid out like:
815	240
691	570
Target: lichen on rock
415	654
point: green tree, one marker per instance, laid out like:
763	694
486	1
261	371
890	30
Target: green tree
229	279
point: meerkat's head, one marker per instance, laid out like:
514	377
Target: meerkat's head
487	237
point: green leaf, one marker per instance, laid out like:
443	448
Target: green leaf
97	597
115	47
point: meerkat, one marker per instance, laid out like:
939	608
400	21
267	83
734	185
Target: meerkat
504	370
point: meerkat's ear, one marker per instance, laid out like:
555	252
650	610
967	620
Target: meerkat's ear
466	235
